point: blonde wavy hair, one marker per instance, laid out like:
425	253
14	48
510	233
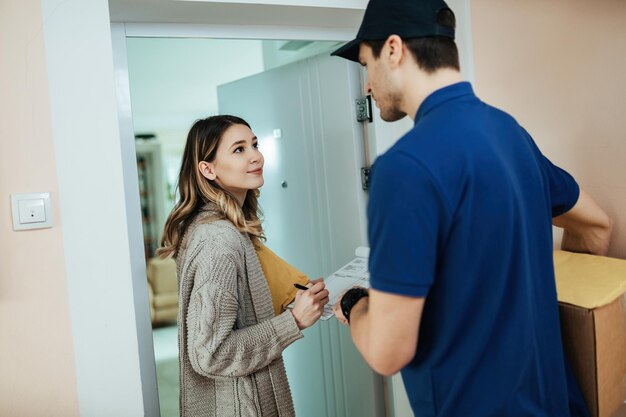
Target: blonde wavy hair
196	191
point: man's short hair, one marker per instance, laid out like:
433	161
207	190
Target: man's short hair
431	53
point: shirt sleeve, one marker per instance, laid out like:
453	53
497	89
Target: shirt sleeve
564	190
215	346
562	187
405	214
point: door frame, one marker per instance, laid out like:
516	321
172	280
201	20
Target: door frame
381	137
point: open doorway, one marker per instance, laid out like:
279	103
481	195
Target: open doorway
298	102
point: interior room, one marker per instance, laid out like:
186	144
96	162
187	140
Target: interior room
97	99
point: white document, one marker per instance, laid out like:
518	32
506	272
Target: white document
354	273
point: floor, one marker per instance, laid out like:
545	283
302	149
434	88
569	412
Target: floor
166	358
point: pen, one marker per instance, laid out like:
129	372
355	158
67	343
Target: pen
300	286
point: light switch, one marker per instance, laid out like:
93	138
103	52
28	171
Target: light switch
31	211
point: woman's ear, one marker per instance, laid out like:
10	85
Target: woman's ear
207	170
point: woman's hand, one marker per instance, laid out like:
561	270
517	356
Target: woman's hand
309	304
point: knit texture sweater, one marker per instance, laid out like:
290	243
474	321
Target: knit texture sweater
230	342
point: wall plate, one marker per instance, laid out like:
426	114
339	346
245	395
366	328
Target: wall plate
31	211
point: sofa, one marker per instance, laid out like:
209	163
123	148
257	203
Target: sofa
162	290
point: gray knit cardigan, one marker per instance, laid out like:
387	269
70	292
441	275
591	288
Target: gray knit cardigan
230	343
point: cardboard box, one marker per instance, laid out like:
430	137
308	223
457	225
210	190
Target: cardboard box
595	344
621	412
594	338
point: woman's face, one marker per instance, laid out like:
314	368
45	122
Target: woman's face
238	164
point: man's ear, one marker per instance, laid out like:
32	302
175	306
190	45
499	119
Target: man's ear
395	50
207	169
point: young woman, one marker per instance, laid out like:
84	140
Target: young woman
230	341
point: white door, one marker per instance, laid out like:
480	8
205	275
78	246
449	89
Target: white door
304	116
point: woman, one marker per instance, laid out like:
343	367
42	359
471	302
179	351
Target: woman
230	342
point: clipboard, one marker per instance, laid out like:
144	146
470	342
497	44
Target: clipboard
354	273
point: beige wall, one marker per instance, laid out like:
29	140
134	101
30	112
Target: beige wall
36	358
559	67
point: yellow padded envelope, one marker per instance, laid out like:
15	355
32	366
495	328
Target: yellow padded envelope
588	281
280	277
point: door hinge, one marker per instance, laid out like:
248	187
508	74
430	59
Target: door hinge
365	177
364	109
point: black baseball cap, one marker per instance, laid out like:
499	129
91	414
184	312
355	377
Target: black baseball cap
405	18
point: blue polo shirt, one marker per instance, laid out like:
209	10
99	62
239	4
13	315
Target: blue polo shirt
460	212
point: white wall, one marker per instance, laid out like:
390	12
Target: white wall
173	82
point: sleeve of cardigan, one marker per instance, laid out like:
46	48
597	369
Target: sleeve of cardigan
215	348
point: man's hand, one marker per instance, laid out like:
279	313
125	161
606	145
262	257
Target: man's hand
587	228
339	312
384	328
